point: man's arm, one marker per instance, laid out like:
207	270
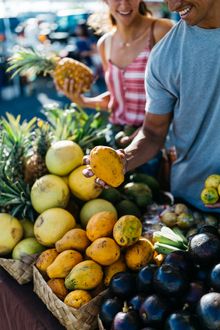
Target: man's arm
149	140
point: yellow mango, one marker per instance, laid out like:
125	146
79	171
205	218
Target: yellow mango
116	267
85	276
58	287
107	165
45	259
104	250
75	239
127	230
101	225
139	254
77	298
63	264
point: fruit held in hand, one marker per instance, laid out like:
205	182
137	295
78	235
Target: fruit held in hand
107	165
28	60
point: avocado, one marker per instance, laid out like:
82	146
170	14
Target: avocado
111	194
151	181
139	193
126	207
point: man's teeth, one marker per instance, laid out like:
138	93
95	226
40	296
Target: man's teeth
184	11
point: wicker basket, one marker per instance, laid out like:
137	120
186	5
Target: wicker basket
84	318
20	270
100	324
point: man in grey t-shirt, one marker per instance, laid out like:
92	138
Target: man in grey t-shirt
183	88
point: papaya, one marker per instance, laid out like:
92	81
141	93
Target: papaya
107	165
86	275
127	230
63	264
101	225
74	239
117	267
58	287
103	250
45	259
77	298
139	255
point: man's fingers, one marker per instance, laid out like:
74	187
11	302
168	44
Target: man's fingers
101	183
86	160
88	172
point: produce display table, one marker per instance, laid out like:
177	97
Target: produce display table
21	309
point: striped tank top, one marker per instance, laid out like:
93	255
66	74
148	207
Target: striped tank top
127	86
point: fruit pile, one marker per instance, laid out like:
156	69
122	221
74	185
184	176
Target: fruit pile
211	192
182	293
82	262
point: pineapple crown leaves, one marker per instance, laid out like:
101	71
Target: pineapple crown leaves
29	60
15	197
76	124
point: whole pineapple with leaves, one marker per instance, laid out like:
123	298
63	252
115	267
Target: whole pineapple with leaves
14	192
29	60
34	163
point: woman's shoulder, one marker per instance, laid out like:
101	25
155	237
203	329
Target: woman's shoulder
103	38
161	27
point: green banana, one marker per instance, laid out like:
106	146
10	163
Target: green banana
165	248
166	239
179	232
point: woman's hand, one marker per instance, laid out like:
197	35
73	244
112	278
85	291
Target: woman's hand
72	91
89	173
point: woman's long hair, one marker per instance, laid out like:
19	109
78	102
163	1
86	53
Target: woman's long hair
105	22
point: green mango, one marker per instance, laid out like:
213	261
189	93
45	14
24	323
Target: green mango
139	193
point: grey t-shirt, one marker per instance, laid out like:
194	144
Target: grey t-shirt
183	77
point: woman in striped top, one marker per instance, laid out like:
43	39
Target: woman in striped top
124	51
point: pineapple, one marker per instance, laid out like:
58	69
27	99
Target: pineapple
34	164
17	140
28	60
14	193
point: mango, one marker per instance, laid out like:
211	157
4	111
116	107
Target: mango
58	287
117	267
84	276
75	239
63	264
45	259
77	298
139	255
101	225
127	230
27	247
107	165
104	250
